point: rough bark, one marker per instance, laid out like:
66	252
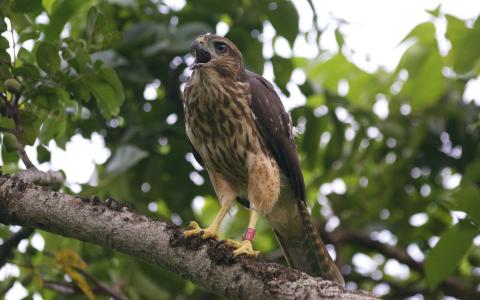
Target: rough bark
207	263
53	178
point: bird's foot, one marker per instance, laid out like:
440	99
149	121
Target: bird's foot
206	233
243	247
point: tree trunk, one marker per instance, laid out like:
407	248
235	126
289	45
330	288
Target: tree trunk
207	263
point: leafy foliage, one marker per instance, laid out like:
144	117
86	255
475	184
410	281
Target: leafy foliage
86	71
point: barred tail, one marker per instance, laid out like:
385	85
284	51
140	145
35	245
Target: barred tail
300	241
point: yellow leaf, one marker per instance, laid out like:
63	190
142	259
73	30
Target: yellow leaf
81	283
68	261
69	258
37	279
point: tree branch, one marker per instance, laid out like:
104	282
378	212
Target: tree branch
71	289
206	262
115	293
6	249
345	236
452	286
52	178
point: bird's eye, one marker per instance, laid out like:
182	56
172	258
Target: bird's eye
220	47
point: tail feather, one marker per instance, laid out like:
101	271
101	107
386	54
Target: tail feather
300	241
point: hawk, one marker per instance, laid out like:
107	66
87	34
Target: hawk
241	133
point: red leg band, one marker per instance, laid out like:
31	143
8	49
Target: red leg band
249	234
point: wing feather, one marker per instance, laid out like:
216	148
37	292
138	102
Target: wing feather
275	126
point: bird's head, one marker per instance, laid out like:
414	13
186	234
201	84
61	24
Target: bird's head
218	53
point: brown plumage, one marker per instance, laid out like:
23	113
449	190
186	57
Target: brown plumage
241	133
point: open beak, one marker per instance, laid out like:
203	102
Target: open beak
202	56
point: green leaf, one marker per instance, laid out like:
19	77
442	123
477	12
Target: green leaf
27	6
363	87
250	53
79	90
339	38
104	93
313	130
111	76
3	24
4	44
465	41
48	58
435	12
328	73
91	21
424	33
6	122
147	287
315	101
25	56
28	117
28	71
472	172
43	155
80	60
101	31
284	18
181	39
47	5
426	83
125	157
335	145
282	69
111	39
53	127
466	199
62	11
30	126
29	35
63	95
29	134
442	260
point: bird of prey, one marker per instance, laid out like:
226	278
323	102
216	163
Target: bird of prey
241	133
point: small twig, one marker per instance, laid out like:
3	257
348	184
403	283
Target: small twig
397	290
114	293
345	236
60	287
18	129
315	15
315	21
5	129
7	248
71	289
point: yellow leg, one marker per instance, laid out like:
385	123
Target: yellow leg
210	231
245	246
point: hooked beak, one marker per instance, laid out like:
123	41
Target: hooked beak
202	56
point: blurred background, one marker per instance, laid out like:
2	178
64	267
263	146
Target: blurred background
385	101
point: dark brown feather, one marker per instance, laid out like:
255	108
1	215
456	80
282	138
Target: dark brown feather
274	125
